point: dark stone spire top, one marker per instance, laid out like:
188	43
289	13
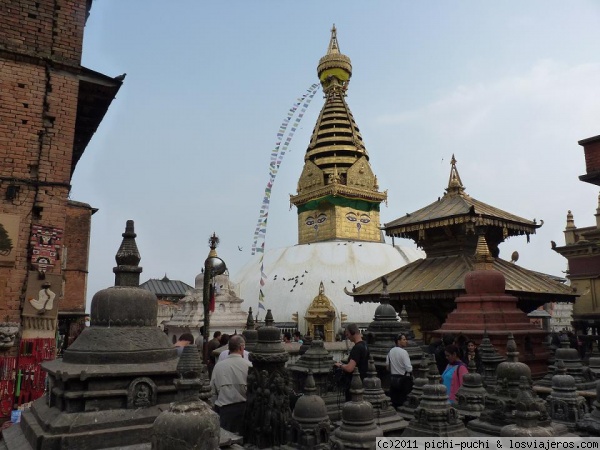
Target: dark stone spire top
512	355
193	383
269	318
250	334
356	387
127	272
250	321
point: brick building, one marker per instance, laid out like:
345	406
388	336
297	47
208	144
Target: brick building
582	252
50	107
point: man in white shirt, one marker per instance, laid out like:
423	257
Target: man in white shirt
398	363
225	354
228	386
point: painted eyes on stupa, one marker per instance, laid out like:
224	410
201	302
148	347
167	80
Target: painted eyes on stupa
352	217
310	220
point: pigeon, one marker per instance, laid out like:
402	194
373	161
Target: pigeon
514	257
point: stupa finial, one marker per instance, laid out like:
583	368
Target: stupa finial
334	47
335	68
483	258
127	272
455	185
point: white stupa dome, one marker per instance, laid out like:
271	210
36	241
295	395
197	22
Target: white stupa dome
294	274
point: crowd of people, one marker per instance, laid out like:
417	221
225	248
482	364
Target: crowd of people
228	371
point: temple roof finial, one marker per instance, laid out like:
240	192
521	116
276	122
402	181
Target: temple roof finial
213	242
334	47
570	221
455	185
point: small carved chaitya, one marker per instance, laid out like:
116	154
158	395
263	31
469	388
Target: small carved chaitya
268	412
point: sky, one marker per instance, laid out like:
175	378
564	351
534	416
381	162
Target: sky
508	87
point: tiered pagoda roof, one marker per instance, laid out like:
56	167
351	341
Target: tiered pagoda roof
448	231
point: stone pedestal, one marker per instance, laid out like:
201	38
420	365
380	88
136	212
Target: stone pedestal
358	429
486	307
407	411
564	405
584	378
386	417
529	415
490	359
471	395
589	425
500	404
310	424
190	423
382	332
434	417
319	362
268	412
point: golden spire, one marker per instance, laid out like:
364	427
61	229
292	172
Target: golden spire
334	47
483	258
337	184
455	186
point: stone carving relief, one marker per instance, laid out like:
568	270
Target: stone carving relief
8	332
141	393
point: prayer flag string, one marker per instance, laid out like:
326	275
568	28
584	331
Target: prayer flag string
277	155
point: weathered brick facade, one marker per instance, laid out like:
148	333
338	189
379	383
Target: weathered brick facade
77	243
44	128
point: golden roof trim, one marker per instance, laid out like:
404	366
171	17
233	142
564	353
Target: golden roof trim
456	220
339	190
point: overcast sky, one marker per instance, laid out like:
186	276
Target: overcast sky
184	150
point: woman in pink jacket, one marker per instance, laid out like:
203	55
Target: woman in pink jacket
452	377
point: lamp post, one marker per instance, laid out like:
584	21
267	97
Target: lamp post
213	265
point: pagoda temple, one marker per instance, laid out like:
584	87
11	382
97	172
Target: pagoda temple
448	231
340	243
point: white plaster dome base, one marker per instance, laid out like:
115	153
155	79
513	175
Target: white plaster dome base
295	273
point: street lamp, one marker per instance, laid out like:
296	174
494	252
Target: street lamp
213	265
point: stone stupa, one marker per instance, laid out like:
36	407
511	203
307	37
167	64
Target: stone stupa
116	377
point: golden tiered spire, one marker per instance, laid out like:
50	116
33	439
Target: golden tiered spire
455	186
483	258
337	183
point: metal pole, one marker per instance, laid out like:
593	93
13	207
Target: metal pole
206	304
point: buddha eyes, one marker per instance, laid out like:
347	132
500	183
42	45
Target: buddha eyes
310	220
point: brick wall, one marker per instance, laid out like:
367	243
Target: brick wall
77	244
591	148
44	28
40	52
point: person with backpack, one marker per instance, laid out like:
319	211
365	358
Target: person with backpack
452	377
359	356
